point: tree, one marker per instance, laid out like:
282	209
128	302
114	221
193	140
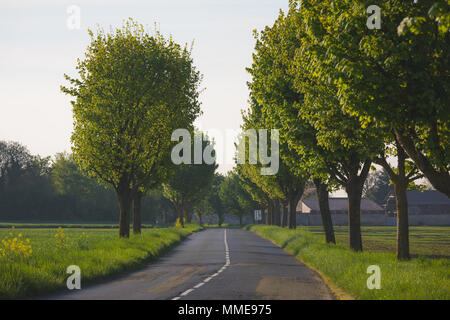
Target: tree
262	188
213	200
273	88
156	209
394	78
251	173
285	187
190	182
67	178
163	170
402	177
133	91
70	183
377	186
83	197
397	76
25	185
202	208
235	198
261	199
14	158
55	189
347	145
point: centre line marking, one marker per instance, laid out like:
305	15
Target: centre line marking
199	285
187	292
227	263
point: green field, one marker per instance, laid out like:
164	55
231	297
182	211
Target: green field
431	242
426	276
98	252
50	225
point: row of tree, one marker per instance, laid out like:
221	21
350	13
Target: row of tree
345	97
55	189
133	91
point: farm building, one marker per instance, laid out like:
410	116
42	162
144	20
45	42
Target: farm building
428	207
308	212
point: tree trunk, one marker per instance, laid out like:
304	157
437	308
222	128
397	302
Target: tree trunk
270	213
327	223
400	187
181	216
354	192
400	181
137	221
285	213
124	198
240	219
402	221
293	201
180	211
276	213
188	212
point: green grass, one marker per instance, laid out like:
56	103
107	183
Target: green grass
103	254
431	242
50	225
419	278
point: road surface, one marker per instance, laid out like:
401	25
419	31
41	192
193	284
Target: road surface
215	264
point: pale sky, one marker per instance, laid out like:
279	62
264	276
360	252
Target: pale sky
37	48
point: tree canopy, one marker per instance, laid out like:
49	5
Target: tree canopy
133	90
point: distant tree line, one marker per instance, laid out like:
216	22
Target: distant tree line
39	189
33	188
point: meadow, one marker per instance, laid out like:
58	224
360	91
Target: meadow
34	261
431	242
425	276
50	225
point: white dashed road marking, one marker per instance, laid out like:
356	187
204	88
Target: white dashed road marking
199	285
186	292
227	263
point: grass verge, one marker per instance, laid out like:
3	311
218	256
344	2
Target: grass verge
419	278
99	254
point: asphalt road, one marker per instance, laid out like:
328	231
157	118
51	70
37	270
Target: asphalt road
215	264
